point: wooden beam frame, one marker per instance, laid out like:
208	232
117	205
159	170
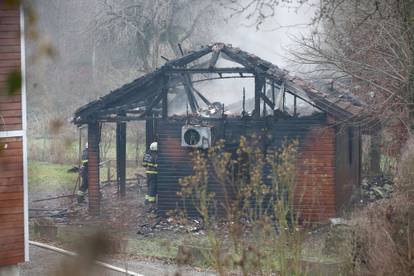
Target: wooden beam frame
267	101
150	129
259	81
164	92
279	98
213	60
204	99
135	93
189	91
294	105
273	97
121	156
235	70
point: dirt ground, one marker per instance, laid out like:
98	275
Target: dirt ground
138	238
116	213
145	243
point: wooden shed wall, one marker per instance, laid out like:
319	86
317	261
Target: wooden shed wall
314	197
10	105
12	239
315	192
11	201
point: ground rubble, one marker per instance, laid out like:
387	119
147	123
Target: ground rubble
376	188
152	223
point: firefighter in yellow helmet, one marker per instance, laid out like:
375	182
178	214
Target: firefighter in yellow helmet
150	163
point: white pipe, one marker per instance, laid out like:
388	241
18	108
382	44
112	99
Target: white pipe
73	254
24	136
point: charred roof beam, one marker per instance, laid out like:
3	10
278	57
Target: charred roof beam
214	58
192	101
231	70
259	82
267	101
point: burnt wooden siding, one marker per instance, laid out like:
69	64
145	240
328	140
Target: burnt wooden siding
93	168
314	196
348	165
11	201
12	240
10	105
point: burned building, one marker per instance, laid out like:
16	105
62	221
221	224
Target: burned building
181	116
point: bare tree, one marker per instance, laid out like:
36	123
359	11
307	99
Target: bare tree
151	28
103	45
362	46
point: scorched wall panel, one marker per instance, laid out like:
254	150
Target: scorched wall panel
314	197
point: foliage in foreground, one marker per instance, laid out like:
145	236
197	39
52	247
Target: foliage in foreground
261	235
384	230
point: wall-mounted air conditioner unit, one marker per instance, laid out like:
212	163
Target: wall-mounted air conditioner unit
196	136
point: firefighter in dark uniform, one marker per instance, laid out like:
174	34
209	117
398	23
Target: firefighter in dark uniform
83	188
150	163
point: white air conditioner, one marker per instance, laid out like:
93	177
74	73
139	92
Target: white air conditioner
196	136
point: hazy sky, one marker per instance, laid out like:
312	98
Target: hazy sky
73	67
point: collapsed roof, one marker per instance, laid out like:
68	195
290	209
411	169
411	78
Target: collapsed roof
146	92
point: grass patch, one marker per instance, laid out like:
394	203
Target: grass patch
163	245
45	176
42	149
153	247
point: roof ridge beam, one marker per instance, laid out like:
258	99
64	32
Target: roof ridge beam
235	70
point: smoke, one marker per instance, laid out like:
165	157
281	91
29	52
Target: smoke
272	42
274	38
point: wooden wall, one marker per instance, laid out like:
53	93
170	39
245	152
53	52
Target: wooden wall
93	168
10	105
314	197
11	148
11	201
315	188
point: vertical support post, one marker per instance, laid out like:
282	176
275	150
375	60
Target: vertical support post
244	102
273	96
264	103
108	172
294	106
149	131
93	168
121	156
80	148
258	86
165	99
284	100
165	104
